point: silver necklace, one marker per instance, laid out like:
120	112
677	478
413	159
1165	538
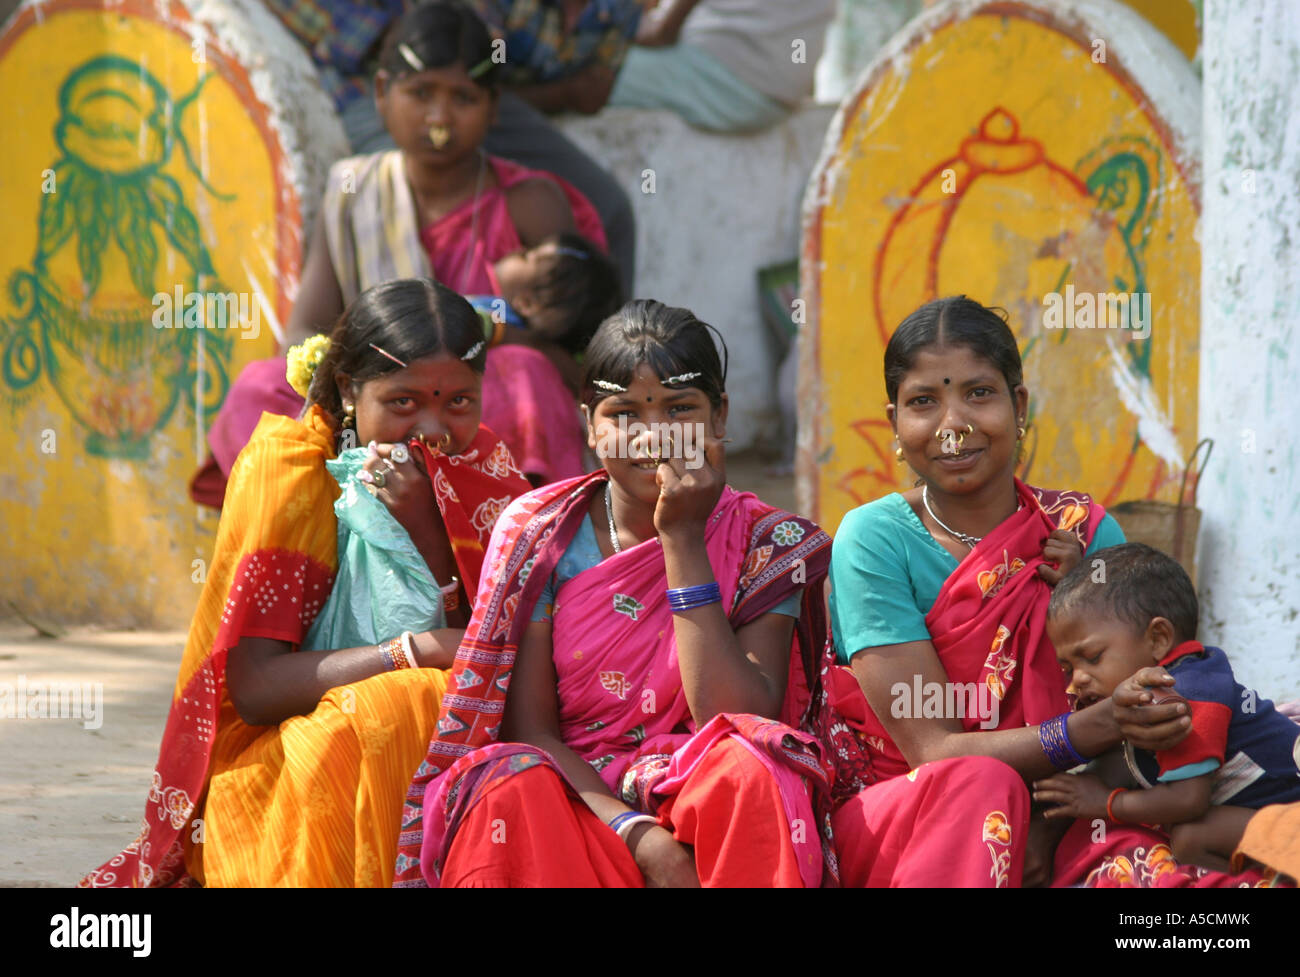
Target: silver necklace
971	541
609	514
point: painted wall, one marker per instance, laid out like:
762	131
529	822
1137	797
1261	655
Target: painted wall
165	151
711	211
1250	552
1010	152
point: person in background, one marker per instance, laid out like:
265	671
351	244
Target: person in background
725	65
560	56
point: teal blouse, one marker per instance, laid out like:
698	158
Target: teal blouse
887	571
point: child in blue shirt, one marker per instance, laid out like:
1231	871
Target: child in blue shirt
1133	609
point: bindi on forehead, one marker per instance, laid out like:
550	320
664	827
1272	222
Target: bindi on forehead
946	381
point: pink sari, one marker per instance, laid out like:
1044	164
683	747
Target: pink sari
621	704
988	628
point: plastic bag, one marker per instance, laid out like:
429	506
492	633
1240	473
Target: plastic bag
383	586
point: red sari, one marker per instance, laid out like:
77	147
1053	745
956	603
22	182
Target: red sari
988	626
736	789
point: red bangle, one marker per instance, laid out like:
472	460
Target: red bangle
1110	802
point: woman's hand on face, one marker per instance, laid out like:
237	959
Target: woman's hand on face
406	490
664	861
689	489
1062	553
1147	726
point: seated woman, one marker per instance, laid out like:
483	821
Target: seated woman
655	629
943	670
284	763
438	206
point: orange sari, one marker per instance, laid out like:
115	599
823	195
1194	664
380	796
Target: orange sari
317	800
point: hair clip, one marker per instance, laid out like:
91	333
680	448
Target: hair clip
681	378
605	385
474	351
571	252
482	68
410	57
383	352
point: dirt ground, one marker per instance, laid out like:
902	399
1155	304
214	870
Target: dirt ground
72	795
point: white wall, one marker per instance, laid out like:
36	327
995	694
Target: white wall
723	207
1249	558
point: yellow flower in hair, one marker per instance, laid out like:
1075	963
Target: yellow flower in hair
303	361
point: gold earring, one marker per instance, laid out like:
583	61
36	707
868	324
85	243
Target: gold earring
349	416
1020	432
898	453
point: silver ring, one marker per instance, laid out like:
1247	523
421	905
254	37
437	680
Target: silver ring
379	478
400	453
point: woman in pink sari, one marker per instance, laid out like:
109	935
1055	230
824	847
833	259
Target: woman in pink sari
943	694
437	206
655	630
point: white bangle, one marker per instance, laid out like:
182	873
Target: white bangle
625	828
408	649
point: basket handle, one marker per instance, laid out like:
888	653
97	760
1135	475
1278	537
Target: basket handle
1180	512
1208	445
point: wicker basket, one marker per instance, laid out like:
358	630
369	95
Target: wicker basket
1170	528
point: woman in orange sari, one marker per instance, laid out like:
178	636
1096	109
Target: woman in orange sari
284	762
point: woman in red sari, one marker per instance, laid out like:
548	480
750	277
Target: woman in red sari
942	669
643	619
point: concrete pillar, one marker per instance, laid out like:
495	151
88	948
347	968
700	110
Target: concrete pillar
1249	563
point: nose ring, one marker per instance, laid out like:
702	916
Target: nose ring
444	442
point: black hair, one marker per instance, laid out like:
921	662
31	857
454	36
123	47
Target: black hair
440	33
1137	584
953	321
669	340
580	285
409	318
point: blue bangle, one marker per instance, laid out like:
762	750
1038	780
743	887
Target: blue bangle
620	819
1054	737
688	598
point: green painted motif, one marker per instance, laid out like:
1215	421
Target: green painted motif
85	311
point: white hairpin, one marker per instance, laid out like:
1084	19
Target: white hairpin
610	387
474	351
681	378
410	57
